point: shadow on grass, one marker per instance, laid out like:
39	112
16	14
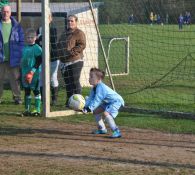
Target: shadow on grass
94	158
163	114
75	135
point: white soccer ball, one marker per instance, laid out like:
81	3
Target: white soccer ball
76	102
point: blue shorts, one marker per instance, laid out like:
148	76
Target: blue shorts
111	108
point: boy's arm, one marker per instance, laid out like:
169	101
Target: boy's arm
87	102
99	94
37	62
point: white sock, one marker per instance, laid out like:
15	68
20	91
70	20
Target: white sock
109	119
100	122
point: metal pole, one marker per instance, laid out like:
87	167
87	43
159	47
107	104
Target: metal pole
45	57
101	43
19	10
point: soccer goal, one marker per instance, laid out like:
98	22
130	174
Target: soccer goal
34	15
149	58
87	14
118	54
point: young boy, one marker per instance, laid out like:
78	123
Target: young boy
104	103
31	52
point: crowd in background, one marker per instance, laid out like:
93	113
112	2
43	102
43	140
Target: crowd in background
155	18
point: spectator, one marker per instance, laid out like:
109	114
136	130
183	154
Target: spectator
155	18
185	18
188	18
71	45
131	19
158	19
151	18
167	19
11	44
31	53
180	22
54	62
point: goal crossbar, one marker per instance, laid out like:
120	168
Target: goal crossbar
126	39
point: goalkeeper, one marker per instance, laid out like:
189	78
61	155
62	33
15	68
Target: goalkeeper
104	103
30	75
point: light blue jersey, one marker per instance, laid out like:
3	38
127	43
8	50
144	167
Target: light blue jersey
104	96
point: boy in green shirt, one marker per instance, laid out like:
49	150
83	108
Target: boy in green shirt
31	52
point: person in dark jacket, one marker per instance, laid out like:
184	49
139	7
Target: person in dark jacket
71	45
54	62
11	46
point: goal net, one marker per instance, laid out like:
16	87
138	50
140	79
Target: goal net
161	64
149	45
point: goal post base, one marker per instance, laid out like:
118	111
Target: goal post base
62	113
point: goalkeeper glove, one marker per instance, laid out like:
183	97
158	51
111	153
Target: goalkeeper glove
29	77
86	110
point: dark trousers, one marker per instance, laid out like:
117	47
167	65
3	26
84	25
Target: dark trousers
71	77
36	91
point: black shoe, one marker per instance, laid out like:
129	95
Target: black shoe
26	113
35	113
53	103
18	102
67	106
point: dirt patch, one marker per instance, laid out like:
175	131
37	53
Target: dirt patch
50	147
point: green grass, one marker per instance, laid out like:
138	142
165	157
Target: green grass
141	121
145	121
156	81
162	65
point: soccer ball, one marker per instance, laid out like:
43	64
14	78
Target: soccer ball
76	102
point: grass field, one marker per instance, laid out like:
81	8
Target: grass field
161	78
161	66
145	121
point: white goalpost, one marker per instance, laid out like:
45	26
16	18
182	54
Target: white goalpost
46	67
87	23
45	56
125	70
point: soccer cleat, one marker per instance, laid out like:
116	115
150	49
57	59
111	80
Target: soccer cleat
26	113
35	113
99	131
18	101
116	133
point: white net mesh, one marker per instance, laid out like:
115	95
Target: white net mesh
156	65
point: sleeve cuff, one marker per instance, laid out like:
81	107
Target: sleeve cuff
88	109
33	70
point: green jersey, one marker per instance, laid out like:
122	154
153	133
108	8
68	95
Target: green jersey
30	54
